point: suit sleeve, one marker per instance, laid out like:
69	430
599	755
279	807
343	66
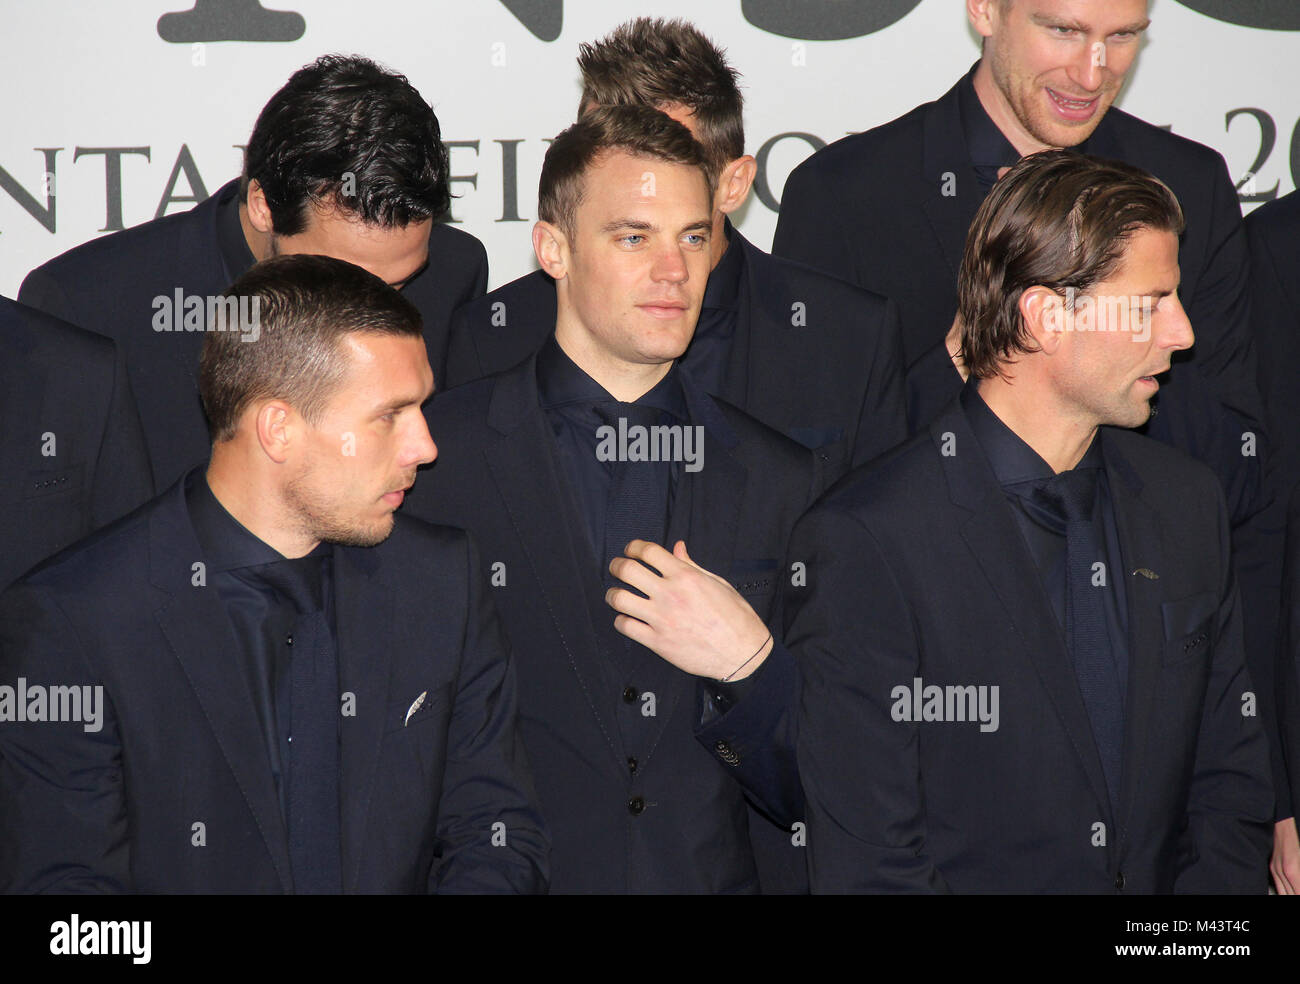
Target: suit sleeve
494	839
1230	802
1258	543
123	478
750	727
852	633
808	227
1288	657
883	422
63	820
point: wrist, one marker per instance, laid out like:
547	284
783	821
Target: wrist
746	665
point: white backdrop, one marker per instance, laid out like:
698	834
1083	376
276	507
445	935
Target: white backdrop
81	76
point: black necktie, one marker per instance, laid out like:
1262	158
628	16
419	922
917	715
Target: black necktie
313	772
1085	621
637	508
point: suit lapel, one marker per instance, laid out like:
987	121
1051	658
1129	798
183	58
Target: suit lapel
999	548
363	616
1140	547
944	153
202	640
523	467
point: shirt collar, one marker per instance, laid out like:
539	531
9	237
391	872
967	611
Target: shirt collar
226	543
988	146
561	382
1013	461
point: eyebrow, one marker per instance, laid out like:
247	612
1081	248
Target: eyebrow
402	403
640	225
1046	20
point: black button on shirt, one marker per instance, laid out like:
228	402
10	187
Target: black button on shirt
262	617
1022	473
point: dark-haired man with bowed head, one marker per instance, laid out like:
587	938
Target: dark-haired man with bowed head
346	160
633	529
808	355
262	680
1020	640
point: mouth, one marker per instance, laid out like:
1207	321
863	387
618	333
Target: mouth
664	309
396	497
1075	110
1151	380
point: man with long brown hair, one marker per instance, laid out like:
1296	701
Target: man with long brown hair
1021	646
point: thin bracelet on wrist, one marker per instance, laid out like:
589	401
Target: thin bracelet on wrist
751	659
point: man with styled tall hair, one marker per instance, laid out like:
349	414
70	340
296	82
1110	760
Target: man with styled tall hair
266	681
632	530
804	353
345	160
1020	640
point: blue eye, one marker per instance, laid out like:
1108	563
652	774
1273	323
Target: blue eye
628	239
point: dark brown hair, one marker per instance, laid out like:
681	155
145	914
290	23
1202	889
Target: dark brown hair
344	133
1058	219
651	62
300	307
636	130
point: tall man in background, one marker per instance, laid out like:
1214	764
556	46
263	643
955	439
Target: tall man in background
889	209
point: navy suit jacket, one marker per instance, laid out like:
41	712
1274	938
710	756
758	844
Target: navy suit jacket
498	475
108	285
812	357
72	457
917	569
114	810
873	208
1273	232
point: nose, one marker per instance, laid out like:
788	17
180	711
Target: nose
1176	332
1090	67
669	265
420	448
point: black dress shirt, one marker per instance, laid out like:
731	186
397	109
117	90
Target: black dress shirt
261	616
573	403
576	407
1022	472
